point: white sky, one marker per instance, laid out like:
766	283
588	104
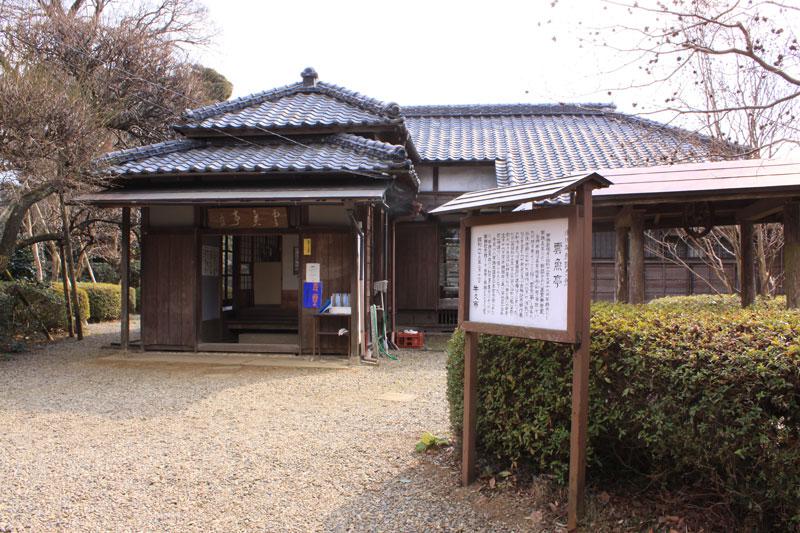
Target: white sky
418	52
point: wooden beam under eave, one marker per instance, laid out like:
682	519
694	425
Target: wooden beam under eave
636	271
791	254
760	210
747	282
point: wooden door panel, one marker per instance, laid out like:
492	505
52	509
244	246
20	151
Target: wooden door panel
169	294
417	266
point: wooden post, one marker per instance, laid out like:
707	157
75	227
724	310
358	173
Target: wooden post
746	279
637	258
124	279
791	254
621	265
470	408
580	362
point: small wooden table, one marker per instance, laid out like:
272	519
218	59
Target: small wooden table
317	332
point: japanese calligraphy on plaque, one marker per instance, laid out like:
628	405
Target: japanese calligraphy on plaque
247	217
518	274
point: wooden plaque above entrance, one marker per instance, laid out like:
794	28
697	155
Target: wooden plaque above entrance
247	217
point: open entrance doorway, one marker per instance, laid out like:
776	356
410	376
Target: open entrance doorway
249	293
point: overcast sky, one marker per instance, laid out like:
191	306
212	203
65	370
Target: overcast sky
419	52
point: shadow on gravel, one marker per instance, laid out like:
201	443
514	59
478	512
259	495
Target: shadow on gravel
422	498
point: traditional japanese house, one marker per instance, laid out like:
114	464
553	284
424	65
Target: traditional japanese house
262	196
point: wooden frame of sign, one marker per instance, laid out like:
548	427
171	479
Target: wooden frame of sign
572	329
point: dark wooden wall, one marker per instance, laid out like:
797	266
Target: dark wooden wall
169	295
335	253
417	265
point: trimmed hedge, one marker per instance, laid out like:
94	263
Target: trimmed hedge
684	392
46	305
105	300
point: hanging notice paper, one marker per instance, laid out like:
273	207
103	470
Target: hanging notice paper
312	272
518	274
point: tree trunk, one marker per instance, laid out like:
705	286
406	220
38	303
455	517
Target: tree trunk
13	218
67	298
70	267
37	260
636	272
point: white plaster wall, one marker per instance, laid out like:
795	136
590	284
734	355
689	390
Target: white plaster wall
425	174
466	178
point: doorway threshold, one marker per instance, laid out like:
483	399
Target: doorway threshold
224	359
242	347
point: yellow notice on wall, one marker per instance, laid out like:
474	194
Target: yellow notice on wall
306	246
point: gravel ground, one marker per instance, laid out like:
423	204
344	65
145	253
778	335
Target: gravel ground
90	446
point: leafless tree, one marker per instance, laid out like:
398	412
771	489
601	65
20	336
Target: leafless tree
78	79
730	70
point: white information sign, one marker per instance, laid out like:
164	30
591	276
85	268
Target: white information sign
312	272
518	274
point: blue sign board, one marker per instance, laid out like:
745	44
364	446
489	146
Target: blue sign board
312	294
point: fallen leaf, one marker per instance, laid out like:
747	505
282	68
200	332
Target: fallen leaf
535	517
492	483
603	498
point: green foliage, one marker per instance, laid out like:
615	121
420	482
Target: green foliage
21	265
83	302
19	321
430	441
684	392
217	86
105	300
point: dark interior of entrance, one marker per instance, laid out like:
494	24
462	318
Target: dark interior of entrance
250	292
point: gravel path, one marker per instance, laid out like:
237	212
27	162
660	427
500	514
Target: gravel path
90	446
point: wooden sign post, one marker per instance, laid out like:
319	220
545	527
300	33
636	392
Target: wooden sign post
528	274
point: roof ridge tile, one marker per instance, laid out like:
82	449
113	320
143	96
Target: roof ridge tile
369	146
140	152
460	110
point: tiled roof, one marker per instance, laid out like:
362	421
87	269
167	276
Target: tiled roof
530	142
341	152
304	104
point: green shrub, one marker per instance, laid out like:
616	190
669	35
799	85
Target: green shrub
105	300
83	303
18	320
683	393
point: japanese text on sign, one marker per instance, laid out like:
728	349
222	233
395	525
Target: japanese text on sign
518	274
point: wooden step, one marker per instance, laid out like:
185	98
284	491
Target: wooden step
247	348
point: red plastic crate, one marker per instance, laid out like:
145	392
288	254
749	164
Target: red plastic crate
414	341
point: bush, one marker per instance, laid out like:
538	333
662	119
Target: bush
105	300
83	303
18	320
684	392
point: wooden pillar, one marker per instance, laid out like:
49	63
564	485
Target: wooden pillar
468	438
621	265
791	254
580	362
747	284
124	279
636	273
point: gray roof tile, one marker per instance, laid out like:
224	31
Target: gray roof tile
294	106
532	142
330	153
